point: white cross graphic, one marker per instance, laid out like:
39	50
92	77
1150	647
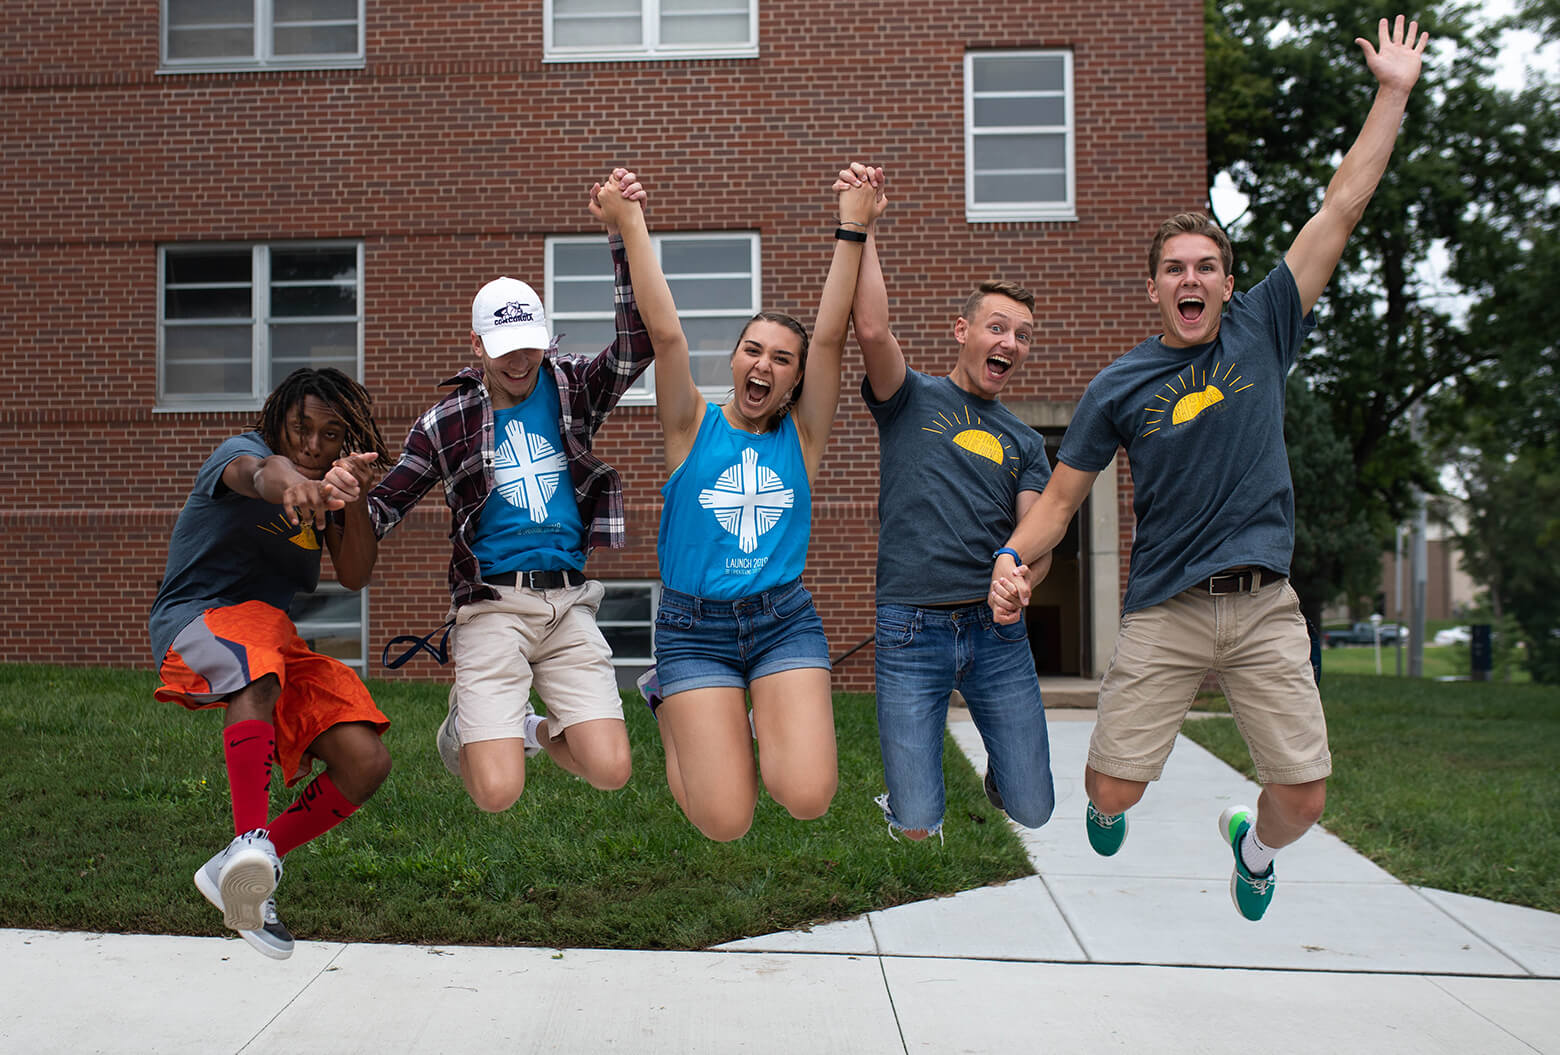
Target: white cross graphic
748	499
528	470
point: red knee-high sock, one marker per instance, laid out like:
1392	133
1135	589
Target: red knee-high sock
250	750
319	807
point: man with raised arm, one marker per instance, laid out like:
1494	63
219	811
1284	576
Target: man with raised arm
1199	410
957	468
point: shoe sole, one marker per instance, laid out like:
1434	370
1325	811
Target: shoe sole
245	884
257	939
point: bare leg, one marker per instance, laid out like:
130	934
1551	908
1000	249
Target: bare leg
793	713
1285	812
596	750
1112	795
709	759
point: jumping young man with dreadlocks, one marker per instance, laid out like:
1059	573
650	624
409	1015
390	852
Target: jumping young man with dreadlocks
246	542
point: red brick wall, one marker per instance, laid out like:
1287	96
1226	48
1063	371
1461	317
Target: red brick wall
452	154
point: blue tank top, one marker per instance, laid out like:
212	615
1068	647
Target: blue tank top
737	513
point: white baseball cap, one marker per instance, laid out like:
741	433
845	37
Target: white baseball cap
507	314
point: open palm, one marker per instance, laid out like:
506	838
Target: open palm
1395	63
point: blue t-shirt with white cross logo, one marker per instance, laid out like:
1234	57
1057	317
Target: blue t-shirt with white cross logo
530	521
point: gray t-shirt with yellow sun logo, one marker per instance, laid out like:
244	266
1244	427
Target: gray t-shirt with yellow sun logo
951	466
227	549
1203	428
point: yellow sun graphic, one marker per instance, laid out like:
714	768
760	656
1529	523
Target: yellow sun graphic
303	536
972	435
1188	397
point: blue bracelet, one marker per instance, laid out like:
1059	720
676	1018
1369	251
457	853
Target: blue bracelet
1011	552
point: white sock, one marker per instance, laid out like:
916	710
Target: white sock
1255	853
533	734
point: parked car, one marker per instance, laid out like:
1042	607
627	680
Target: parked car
1453	635
1362	633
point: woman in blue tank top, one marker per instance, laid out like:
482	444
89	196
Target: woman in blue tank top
734	617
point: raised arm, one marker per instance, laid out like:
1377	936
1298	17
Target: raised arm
1319	245
677	400
885	361
858	206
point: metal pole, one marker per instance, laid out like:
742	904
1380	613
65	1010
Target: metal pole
1418	565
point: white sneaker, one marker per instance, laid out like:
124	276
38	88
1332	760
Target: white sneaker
447	739
650	688
241	878
273	938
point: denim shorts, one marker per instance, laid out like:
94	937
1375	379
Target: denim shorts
704	644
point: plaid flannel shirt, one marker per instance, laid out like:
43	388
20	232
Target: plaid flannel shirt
453	444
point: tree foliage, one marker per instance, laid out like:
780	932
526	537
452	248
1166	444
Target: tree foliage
1468	187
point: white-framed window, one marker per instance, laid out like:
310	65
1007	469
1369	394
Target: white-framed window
599	30
714	278
261	34
333	621
1019	136
627	620
233	320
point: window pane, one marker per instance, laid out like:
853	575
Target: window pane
1007	152
584	336
219	266
571	295
331	607
628	642
210	12
302	265
713	336
581	258
313	300
596	23
1045	110
1021	187
211	43
314	10
1019	73
231	302
207	360
625	604
712	294
705	29
315	40
313	344
705	255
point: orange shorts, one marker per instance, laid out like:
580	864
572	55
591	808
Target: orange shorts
229	648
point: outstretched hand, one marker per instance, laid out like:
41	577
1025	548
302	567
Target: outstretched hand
610	202
1396	60
349	477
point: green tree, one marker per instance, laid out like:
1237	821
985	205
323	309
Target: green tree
1287	92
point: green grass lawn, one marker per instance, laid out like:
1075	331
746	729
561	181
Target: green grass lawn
111	800
1451	785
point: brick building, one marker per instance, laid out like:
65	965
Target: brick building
199	196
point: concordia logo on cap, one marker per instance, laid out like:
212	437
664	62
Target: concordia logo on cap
514	311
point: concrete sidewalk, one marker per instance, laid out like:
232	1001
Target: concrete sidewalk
1139	953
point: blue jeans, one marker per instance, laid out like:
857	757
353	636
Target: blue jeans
702	644
922	655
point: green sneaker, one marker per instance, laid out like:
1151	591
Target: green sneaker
1106	832
1250	893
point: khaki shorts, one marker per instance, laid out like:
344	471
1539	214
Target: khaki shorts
1255	644
545	638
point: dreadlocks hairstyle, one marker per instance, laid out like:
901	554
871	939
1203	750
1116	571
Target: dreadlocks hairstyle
795	327
1011	290
342	394
1190	223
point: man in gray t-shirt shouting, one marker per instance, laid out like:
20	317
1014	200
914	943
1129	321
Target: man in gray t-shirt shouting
957	469
1199	410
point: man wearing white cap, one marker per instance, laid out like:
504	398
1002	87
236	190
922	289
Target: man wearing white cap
511	447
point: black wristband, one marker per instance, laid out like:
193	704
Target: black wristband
850	236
